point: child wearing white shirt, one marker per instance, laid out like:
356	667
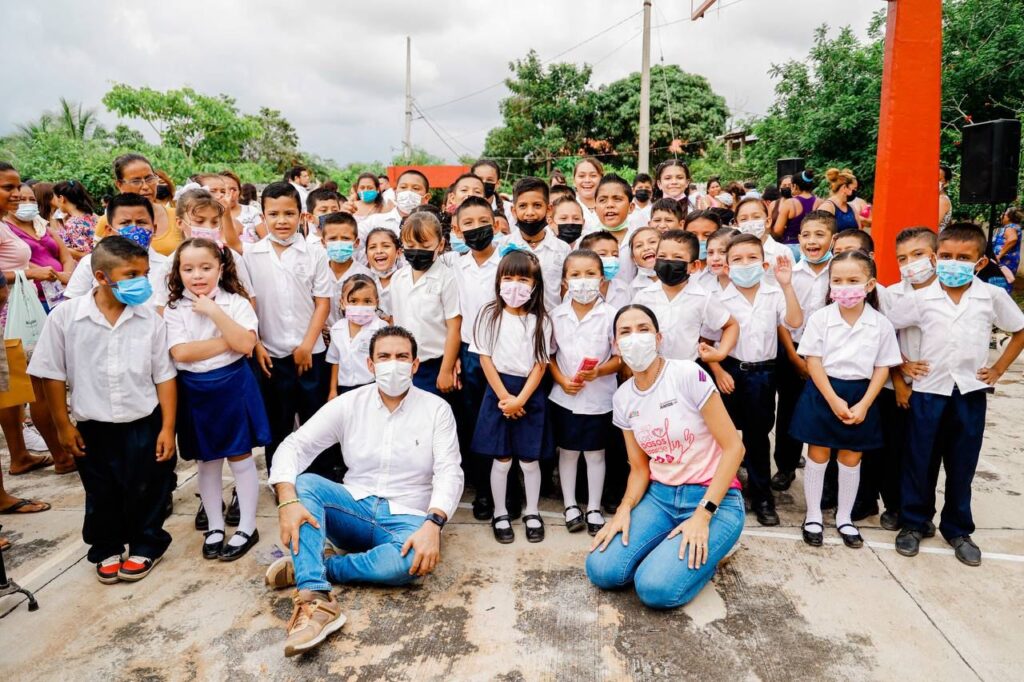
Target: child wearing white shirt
643	247
384	258
751	218
530	207
614	291
351	334
339	237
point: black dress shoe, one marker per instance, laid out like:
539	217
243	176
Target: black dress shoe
851	540
576	523
211	550
889	520
233	515
782	480
908	541
202	521
801	463
503	535
929	530
766	514
534	534
813	538
966	551
861	512
593	528
232	552
483	508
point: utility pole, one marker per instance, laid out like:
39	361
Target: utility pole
407	142
644	162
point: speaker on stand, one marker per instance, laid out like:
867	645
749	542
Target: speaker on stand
784	167
990	165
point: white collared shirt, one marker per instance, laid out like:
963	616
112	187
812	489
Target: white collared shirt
909	337
284	287
82	282
349	353
185	325
551	252
693	313
476	288
576	339
811	289
337	283
509	342
410	457
619	294
772	251
850	352
424	307
639	283
955	337
759	322
709	280
111	370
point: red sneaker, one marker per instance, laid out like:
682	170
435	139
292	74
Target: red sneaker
136	567
107	570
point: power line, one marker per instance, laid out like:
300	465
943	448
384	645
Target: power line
434	130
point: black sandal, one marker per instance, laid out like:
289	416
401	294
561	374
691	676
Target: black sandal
576	523
212	550
503	535
593	528
853	540
813	538
534	534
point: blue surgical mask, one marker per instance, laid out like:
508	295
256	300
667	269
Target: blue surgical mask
137	233
746	276
703	253
610	265
134	291
340	252
954	273
368	196
458	244
824	258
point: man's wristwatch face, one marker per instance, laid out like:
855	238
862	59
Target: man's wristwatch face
436	518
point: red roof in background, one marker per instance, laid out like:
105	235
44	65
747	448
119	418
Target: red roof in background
437	176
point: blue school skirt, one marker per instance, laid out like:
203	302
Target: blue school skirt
815	424
220	413
528	438
578	431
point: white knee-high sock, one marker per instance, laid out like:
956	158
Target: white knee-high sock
814	480
211	491
567	465
849	479
531	484
595	479
247	485
499	486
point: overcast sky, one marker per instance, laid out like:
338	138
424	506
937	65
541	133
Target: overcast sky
337	70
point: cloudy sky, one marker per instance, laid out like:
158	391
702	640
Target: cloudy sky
337	70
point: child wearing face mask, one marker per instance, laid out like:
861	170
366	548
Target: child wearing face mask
411	190
702	224
849	347
643	193
583	369
513	334
211	328
752	218
714	277
567	218
643	245
384	258
530	209
339	237
614	291
200	215
350	335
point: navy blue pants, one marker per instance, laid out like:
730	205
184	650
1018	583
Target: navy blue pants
789	385
426	376
478	469
946	429
752	408
287	395
880	469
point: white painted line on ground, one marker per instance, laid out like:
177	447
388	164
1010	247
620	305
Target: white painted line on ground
41	571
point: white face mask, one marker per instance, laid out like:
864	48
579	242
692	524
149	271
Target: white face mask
639	350
407	200
754	227
284	242
585	289
27	211
59	215
393	377
918	272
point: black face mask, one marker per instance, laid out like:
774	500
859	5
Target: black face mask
531	228
488	190
569	232
163	192
419	259
671	272
786	193
643	195
479	238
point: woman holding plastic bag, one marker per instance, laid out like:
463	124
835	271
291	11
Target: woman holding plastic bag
47	249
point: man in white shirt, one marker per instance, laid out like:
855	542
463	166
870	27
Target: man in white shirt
403	483
299	178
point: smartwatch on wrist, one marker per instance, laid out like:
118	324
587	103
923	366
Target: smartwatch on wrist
437	519
707	504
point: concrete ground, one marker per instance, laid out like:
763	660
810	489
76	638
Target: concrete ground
779	610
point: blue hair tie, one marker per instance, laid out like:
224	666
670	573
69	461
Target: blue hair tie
510	247
803	176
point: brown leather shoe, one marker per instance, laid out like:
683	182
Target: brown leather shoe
313	619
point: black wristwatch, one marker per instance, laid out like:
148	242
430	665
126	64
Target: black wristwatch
437	518
707	504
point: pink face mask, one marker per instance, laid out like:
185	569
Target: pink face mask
849	296
515	294
361	315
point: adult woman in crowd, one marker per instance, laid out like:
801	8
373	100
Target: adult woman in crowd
711	192
134	174
165	189
682	511
248	214
585	177
78	224
369	202
786	228
842	185
25	219
249	196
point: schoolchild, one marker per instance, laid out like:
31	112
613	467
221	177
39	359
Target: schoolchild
384	258
752	218
613	202
703	224
530	209
614	291
714	277
358	319
339	236
643	247
567	219
666	214
319	202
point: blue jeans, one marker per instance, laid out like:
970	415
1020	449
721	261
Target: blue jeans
663	580
366	528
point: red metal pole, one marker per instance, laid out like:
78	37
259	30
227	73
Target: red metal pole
907	169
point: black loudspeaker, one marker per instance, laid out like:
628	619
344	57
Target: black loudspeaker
784	167
991	161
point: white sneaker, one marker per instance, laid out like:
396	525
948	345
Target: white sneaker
33	440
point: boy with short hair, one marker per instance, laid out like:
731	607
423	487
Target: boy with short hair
643	189
531	211
615	291
110	348
319	203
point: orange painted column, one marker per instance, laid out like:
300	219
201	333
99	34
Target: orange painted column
907	169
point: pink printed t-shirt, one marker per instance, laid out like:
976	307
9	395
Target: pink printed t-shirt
668	425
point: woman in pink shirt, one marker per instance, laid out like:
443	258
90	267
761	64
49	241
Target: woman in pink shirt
683	510
49	259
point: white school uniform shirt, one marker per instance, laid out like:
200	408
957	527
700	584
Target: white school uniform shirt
82	282
759	322
772	251
591	223
955	337
576	339
639	283
909	338
509	343
693	313
383	294
111	370
476	287
284	287
640	217
350	353
619	294
811	289
185	325
708	280
337	283
850	352
424	307
551	252
410	457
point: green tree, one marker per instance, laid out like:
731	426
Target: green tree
273	141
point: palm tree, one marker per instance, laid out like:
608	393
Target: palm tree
76	123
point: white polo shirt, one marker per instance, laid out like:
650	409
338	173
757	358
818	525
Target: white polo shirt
82	282
111	370
772	251
759	322
619	294
350	353
909	338
284	287
850	352
410	457
476	283
576	339
551	252
955	337
811	289
424	307
185	325
510	341
693	313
